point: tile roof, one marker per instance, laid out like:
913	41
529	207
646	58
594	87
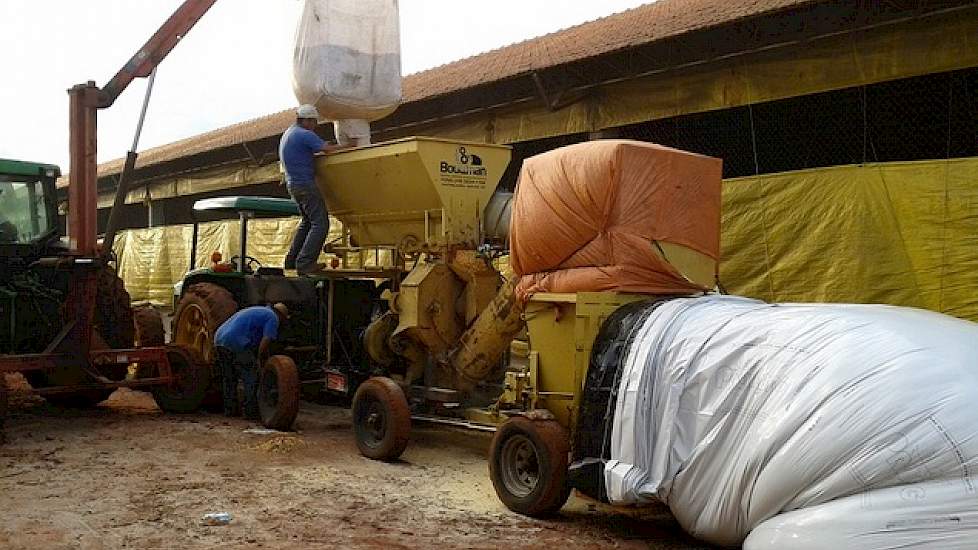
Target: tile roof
637	26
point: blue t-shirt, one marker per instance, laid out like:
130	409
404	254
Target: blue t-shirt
245	329
295	150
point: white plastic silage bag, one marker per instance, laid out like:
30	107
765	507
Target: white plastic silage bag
802	426
347	59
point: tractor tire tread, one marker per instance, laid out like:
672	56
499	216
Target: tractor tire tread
149	327
287	405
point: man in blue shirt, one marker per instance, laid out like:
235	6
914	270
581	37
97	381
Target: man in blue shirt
241	346
296	150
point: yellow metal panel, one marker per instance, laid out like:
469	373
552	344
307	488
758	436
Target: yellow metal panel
416	190
562	329
552	336
426	306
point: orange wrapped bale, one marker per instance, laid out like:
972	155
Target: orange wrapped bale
587	217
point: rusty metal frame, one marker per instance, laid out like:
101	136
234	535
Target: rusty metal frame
156	356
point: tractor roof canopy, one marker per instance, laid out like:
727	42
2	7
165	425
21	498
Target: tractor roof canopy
28	169
260	206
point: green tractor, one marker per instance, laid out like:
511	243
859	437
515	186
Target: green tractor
38	271
319	347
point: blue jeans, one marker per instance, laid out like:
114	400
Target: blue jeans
235	365
310	236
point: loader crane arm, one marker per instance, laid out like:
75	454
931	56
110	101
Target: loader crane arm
85	101
155	49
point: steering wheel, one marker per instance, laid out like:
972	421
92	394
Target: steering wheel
249	261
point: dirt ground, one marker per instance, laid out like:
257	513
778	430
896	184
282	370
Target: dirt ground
126	475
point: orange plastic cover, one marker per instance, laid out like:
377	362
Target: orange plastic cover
586	217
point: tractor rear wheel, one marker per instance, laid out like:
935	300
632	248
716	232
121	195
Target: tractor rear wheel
190	378
149	334
201	310
113	328
528	465
113	311
381	419
278	393
149	331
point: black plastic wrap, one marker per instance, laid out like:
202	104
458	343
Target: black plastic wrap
596	415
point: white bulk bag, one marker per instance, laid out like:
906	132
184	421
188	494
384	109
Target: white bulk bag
802	426
347	58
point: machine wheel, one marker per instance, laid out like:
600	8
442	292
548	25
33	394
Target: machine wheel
278	393
381	419
528	466
187	391
149	327
202	309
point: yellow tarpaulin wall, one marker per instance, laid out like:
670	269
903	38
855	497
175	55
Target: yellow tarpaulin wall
152	260
896	233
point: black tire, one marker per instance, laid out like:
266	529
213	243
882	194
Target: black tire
528	466
278	393
113	311
381	419
200	311
113	327
191	377
149	332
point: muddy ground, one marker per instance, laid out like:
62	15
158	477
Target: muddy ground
125	475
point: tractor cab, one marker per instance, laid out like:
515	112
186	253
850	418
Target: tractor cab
28	208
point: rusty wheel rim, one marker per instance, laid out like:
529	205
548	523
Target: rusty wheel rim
371	422
519	465
192	331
